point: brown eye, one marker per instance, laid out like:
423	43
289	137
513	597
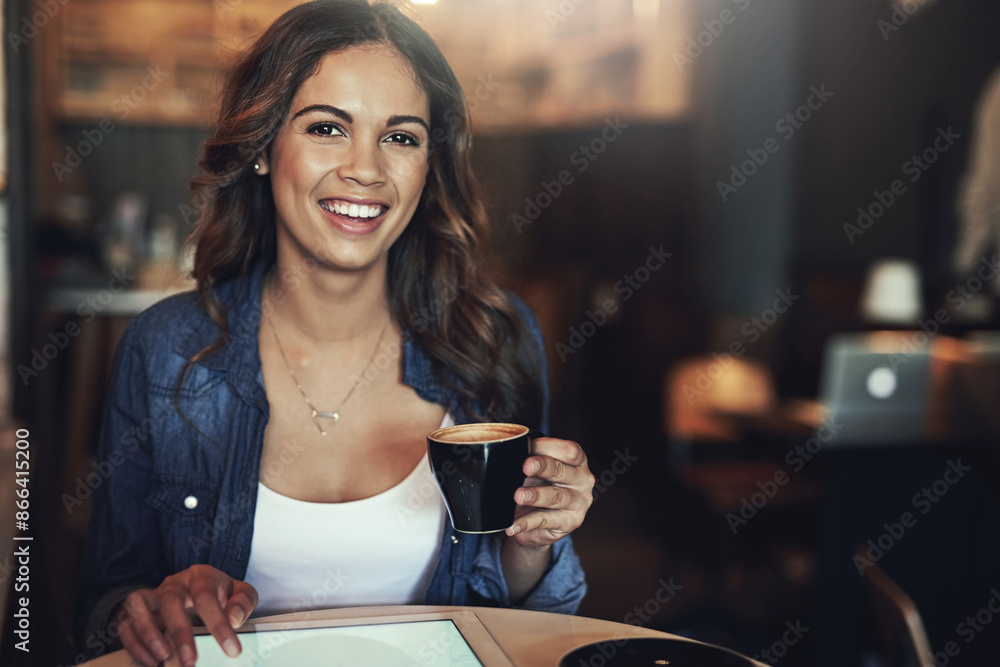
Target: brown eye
325	129
404	138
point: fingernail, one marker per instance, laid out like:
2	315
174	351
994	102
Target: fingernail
534	467
526	496
513	530
161	650
188	656
236	620
231	648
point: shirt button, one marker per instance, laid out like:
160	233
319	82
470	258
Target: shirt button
190	502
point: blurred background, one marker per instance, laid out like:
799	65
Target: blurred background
761	238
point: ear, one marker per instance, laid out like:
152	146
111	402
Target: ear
265	166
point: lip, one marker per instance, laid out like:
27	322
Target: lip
354	226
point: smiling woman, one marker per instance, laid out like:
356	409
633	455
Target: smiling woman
348	167
283	406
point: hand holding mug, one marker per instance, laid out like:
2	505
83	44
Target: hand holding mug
497	477
556	495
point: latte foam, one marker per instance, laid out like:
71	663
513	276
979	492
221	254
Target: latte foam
473	434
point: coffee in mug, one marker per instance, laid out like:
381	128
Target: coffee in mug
478	467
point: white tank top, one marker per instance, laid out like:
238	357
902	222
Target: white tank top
380	550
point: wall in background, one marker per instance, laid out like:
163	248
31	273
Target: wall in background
747	83
5	285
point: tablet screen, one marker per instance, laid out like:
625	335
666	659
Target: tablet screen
410	643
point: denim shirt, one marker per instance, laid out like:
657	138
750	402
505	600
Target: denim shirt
180	489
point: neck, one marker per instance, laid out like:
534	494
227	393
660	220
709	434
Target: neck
327	305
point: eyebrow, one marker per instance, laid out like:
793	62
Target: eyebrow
347	118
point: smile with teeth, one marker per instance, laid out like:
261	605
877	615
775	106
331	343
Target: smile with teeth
352	210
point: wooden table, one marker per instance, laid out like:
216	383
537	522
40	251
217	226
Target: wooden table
528	638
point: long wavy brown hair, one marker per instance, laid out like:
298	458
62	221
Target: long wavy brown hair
478	339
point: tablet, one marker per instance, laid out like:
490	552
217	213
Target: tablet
455	638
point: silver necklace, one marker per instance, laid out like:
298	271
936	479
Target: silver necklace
334	415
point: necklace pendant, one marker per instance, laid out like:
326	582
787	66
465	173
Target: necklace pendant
333	418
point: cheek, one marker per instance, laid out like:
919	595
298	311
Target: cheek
296	171
410	178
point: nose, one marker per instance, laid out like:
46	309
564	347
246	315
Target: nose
362	163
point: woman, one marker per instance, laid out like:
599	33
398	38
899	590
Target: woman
267	433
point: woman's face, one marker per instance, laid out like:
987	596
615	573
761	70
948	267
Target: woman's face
349	164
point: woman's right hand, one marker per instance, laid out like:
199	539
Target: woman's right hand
156	622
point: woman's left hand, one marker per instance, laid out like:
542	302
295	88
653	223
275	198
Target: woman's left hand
556	495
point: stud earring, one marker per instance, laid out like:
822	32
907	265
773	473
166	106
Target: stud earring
256	166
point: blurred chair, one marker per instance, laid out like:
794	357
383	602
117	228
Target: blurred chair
895	624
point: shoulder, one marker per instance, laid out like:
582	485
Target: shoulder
163	339
525	315
180	324
167	324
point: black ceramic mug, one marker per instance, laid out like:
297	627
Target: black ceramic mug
478	467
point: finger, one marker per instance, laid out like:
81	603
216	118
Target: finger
537	539
177	623
206	595
563	450
550	497
140	608
557	524
555	471
241	604
133	645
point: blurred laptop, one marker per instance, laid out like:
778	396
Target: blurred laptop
905	387
876	386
